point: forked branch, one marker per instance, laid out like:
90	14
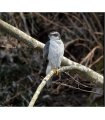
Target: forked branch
81	70
35	44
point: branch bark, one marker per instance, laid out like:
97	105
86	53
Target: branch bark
35	44
83	71
21	36
35	96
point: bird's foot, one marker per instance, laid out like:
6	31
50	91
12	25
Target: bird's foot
55	70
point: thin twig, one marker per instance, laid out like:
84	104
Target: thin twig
74	40
91	53
76	88
76	80
96	61
83	45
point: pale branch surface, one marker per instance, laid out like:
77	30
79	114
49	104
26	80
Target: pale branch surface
21	36
35	96
35	44
83	71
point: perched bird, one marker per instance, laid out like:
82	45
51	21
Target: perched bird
52	54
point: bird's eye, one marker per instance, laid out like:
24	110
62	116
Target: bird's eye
55	35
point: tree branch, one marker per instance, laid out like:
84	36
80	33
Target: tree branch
35	96
35	44
21	36
83	72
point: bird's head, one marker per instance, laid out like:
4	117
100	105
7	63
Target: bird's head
54	35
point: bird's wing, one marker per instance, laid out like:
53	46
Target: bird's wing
45	54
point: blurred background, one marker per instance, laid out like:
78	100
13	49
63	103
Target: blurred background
21	67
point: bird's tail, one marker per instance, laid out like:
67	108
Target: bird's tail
49	83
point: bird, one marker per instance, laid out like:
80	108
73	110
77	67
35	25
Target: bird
52	54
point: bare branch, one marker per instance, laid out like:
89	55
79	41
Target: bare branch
21	36
83	71
35	96
96	61
33	43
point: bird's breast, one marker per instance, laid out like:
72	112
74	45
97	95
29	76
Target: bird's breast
56	50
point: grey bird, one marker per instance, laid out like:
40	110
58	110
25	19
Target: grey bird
52	54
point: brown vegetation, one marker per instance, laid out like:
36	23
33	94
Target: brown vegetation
21	66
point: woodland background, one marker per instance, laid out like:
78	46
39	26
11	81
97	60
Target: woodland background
20	66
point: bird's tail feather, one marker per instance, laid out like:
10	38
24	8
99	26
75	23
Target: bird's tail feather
49	83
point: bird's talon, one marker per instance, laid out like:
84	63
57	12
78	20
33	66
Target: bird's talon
56	71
